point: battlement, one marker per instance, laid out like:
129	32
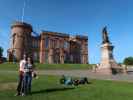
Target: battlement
21	24
55	34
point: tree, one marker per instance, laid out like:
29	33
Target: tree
128	61
1	52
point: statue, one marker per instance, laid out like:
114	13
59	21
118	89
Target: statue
105	35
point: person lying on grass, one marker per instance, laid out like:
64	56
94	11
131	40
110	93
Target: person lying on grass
69	81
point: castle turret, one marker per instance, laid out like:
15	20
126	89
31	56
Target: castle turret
20	39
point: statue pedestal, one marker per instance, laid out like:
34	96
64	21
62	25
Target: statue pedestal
107	59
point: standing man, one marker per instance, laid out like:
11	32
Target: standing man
21	75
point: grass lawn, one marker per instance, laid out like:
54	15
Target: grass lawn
11	66
48	88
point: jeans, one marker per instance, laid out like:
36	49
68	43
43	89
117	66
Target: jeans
27	82
20	82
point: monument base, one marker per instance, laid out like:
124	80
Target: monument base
104	71
107	65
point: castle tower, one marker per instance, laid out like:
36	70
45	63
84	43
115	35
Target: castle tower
20	39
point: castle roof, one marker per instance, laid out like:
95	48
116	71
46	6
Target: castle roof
21	24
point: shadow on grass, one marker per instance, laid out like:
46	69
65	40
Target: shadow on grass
52	90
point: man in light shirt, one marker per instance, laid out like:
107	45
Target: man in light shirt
21	73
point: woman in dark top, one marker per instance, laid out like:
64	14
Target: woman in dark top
28	70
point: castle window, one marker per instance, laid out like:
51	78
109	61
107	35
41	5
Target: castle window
46	42
57	44
14	38
65	44
53	44
61	44
36	44
46	57
33	45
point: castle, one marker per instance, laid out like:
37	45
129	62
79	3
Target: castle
48	47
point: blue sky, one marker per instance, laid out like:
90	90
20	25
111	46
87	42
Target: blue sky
75	17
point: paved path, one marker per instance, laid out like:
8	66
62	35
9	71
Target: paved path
89	74
83	73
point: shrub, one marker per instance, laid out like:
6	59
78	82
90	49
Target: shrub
128	61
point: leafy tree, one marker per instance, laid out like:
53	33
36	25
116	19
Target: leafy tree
128	61
1	52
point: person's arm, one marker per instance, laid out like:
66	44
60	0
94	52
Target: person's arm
33	68
20	65
34	73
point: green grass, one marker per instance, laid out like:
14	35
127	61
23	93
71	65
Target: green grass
48	88
8	66
11	66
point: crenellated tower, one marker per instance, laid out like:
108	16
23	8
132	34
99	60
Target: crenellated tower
20	40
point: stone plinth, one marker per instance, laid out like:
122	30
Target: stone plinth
107	59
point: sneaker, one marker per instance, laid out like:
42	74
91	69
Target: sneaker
17	94
22	94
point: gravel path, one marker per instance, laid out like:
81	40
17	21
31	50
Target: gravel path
89	74
83	73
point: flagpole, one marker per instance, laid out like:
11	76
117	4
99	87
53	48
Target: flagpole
23	10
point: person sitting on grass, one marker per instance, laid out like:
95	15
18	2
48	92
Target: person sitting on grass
69	81
84	80
63	79
66	80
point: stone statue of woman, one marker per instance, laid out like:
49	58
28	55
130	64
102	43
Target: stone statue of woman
105	35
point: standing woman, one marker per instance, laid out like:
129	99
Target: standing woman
28	70
21	75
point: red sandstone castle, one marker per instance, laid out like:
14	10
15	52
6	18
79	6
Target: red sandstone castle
48	47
